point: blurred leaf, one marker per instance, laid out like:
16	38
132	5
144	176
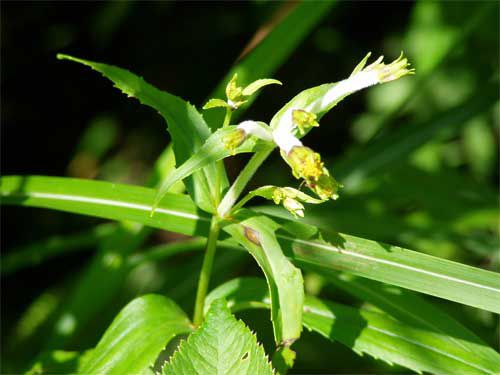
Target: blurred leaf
58	362
310	247
480	147
221	346
137	335
186	126
374	333
36	253
395	146
257	235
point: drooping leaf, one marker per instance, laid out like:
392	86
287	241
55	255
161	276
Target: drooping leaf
305	245
214	149
258	84
376	334
185	124
137	335
257	235
221	346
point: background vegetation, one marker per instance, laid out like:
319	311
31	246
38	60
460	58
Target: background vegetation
418	157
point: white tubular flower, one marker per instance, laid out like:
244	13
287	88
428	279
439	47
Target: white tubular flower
363	77
257	129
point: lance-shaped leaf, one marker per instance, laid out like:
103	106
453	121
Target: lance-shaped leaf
137	335
377	334
225	142
257	235
221	346
185	124
306	245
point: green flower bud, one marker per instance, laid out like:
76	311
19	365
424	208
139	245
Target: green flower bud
305	163
234	139
304	120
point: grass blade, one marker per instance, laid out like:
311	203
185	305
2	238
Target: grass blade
311	248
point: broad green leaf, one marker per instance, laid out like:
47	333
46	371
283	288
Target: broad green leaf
306	245
59	362
35	253
185	124
221	346
265	58
374	333
137	335
258	236
213	150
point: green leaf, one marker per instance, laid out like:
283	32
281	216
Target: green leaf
107	200
414	310
185	124
257	85
221	346
216	103
374	333
306	245
257	235
213	150
137	335
272	51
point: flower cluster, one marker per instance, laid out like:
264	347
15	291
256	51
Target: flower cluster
296	119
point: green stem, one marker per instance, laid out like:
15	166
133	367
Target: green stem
227	117
241	181
206	270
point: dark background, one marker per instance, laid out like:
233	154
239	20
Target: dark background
185	48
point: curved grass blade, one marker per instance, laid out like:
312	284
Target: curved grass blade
137	335
376	334
257	235
185	124
306	245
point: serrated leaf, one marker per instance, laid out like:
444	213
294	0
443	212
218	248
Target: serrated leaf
185	124
257	85
137	335
212	150
257	235
377	334
221	346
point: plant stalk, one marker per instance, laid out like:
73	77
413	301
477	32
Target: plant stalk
206	270
241	181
